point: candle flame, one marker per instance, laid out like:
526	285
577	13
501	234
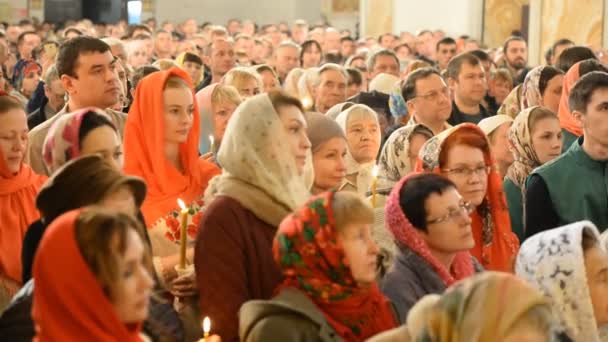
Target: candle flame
306	103
181	204
206	325
211	139
375	170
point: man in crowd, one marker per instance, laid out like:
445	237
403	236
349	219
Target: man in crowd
26	43
425	46
55	99
446	50
244	43
163	45
387	41
516	58
428	99
467	80
332	40
299	31
382	61
220	58
285	58
329	88
347	47
557	49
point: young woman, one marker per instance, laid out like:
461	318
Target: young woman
328	145
362	129
269	77
535	138
106	293
18	188
491	306
161	146
193	65
430	224
328	259
570	267
267	171
462	154
542	87
247	83
87	131
25	80
311	54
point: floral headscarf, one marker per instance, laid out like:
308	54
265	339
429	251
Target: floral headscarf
406	235
495	244
530	95
394	161
511	106
22	68
62	142
520	138
553	262
396	103
481	308
312	260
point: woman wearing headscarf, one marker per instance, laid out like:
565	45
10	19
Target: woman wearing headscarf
267	173
571	130
104	292
327	256
161	146
26	77
203	99
397	159
193	65
570	267
362	130
328	146
18	188
535	138
463	155
430	224
491	306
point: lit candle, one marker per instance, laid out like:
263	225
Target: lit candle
206	328
307	103
374	185
212	144
183	233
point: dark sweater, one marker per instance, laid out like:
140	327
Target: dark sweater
234	263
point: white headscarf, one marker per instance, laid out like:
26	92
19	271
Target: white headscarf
363	171
259	170
553	261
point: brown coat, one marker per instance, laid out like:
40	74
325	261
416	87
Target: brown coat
234	263
36	136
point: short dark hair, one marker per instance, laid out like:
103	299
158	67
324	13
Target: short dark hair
563	41
547	75
306	46
455	64
90	121
583	89
140	73
347	38
573	55
190	57
70	51
445	41
408	90
415	192
332	57
371	59
133	28
512	39
590	65
354	76
383	35
482	55
22	36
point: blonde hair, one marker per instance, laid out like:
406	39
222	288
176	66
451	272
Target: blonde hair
350	207
225	94
291	82
164	64
238	76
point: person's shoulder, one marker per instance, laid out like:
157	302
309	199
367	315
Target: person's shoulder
116	114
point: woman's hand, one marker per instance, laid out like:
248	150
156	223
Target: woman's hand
184	286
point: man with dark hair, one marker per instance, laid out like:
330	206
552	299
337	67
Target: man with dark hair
285	58
163	45
446	50
558	47
425	46
428	99
26	43
467	79
489	102
573	55
87	70
135	30
387	41
355	82
382	61
233	26
515	50
347	47
573	187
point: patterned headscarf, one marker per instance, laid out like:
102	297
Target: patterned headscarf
22	68
406	235
553	262
312	260
520	138
396	103
484	307
530	95
62	143
394	161
495	244
511	106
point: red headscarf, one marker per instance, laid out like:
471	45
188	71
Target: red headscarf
496	245
566	120
17	211
69	303
144	147
405	233
311	259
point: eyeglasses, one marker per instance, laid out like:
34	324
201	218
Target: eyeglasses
465	172
463	208
433	95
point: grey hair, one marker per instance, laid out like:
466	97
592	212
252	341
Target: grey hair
50	75
327	67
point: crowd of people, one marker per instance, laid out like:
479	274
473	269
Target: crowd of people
298	183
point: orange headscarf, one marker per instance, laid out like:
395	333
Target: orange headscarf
144	146
17	211
72	305
565	116
496	245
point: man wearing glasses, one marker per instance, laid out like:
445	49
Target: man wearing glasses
428	99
